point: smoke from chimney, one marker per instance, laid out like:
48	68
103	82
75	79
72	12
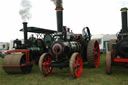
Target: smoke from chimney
58	3
54	1
25	10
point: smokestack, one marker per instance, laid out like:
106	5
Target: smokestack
59	13
25	32
124	20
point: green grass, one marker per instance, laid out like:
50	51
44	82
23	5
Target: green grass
90	76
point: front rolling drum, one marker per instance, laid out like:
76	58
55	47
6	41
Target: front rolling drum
76	65
12	63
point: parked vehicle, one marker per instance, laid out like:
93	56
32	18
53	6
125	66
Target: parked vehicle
118	49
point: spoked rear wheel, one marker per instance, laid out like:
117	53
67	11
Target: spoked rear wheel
76	65
108	63
93	53
45	64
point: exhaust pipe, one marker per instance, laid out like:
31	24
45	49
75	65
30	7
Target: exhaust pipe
124	20
59	13
25	32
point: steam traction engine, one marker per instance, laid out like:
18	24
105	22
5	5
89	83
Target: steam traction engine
118	49
69	49
25	54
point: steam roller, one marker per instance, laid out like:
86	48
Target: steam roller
17	62
25	54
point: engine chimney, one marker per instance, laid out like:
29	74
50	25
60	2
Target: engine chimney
59	12
25	32
124	20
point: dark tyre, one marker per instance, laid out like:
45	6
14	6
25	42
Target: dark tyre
108	63
45	64
76	65
93	53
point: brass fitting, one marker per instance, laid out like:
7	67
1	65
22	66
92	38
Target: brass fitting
123	9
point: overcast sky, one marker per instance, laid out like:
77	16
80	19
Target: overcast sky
101	16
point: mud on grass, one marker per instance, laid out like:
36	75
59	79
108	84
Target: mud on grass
90	76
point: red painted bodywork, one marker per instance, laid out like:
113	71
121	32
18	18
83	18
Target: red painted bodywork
27	54
120	60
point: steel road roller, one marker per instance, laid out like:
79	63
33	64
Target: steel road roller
28	52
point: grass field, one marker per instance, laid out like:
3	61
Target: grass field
90	76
